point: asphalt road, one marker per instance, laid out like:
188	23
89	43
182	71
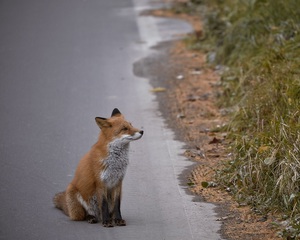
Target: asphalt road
62	63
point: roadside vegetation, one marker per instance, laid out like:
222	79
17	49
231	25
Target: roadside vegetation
256	45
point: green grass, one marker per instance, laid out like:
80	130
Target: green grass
259	43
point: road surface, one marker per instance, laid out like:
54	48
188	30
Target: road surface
62	63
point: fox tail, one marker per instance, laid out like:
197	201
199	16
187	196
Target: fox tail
59	201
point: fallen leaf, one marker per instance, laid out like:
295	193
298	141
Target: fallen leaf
180	77
263	148
158	89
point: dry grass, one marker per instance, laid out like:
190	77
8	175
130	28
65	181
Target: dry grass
256	44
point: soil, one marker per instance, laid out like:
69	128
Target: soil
188	94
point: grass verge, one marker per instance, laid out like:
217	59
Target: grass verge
256	43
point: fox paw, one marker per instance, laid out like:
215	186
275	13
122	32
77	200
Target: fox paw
107	224
91	219
120	222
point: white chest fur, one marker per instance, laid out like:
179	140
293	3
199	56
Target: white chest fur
115	164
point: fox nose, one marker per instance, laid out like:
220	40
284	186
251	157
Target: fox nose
142	132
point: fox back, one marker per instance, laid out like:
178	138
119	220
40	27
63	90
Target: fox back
95	191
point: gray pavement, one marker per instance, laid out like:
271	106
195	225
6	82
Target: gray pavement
62	63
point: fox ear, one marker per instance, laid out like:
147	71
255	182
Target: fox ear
116	112
102	122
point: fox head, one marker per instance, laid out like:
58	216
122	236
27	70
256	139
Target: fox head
116	128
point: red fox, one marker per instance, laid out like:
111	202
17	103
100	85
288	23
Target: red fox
95	191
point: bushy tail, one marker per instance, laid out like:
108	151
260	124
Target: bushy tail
59	201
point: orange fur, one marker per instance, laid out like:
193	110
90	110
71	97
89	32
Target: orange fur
95	191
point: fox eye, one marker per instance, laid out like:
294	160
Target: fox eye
124	129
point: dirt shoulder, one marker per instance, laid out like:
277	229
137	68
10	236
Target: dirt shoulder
188	93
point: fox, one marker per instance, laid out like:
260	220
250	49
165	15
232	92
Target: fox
94	194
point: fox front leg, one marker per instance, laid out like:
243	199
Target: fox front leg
119	221
106	216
